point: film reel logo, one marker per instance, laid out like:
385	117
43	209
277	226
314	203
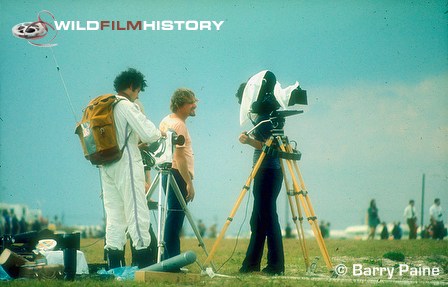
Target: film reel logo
341	269
34	31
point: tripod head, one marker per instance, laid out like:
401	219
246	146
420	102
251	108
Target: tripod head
277	118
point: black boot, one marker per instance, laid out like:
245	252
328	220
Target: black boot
115	258
143	257
274	271
148	256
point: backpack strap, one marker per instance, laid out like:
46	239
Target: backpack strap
117	100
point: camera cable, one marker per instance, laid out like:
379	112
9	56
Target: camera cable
238	234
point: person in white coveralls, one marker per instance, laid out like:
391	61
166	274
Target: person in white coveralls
123	181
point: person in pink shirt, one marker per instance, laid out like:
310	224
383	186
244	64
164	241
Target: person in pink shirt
183	105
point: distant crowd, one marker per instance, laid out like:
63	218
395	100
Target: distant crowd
10	223
435	229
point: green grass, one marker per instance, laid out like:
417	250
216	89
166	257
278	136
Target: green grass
348	252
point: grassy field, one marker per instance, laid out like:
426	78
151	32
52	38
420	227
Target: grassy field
370	254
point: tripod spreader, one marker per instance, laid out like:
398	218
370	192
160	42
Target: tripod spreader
275	152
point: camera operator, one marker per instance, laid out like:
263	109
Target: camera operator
183	105
264	222
123	181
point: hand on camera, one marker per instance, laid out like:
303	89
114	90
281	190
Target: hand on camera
244	138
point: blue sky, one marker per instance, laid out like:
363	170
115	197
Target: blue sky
376	73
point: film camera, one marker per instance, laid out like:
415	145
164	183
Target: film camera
160	153
263	95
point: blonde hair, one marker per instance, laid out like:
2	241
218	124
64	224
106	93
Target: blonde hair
181	97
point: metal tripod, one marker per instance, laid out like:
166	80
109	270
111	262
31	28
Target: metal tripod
279	145
165	170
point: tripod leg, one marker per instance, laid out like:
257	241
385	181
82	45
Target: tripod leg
299	209
300	231
310	206
238	203
185	209
162	210
154	184
303	196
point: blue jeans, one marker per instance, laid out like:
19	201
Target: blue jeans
264	223
175	216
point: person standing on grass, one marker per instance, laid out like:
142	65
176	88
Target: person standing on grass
372	219
183	105
264	222
436	214
411	219
123	181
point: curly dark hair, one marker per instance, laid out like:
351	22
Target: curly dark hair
130	78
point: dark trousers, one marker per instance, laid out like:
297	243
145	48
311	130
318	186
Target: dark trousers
412	223
439	230
264	222
175	216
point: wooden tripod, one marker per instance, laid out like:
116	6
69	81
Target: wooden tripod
297	197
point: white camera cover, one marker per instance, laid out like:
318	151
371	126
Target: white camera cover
252	89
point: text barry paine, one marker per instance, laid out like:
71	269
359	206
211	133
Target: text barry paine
390	272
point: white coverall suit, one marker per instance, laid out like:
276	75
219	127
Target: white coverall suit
123	182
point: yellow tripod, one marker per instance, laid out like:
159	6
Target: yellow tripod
297	196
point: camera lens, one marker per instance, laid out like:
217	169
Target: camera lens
178	139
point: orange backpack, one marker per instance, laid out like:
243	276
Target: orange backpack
97	132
